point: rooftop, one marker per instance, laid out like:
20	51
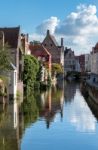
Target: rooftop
11	35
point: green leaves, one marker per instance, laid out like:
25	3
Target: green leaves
5	57
31	67
56	68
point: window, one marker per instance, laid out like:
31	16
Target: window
45	44
51	45
43	59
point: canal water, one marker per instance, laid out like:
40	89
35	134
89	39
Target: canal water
58	119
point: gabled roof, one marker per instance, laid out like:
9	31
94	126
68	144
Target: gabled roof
96	46
52	38
95	49
39	50
11	36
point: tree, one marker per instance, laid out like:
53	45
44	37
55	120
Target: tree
5	57
31	67
56	68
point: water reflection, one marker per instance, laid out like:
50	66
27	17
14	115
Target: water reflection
50	103
64	110
91	97
9	132
80	115
29	110
69	91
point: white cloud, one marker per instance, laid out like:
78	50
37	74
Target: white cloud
49	24
79	29
36	37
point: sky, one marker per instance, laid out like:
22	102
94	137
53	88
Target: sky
74	20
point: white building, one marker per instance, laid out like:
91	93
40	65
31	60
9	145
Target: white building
87	62
71	63
13	82
77	65
93	78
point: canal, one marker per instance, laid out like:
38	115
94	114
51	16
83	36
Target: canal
58	119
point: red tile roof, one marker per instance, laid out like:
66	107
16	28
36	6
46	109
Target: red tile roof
39	50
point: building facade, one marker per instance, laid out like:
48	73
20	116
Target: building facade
69	60
94	59
87	62
42	54
12	37
56	51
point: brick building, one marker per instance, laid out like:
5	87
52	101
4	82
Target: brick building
42	54
82	62
56	51
12	37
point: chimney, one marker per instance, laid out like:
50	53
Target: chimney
48	32
62	42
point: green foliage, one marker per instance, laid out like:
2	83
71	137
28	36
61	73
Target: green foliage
39	73
30	110
56	69
4	79
5	57
31	67
3	85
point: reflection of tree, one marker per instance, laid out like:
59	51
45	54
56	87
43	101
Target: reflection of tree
30	110
8	144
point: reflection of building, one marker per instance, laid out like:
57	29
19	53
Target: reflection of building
52	103
91	96
9	127
69	91
79	114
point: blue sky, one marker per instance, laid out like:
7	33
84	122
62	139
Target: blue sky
30	14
